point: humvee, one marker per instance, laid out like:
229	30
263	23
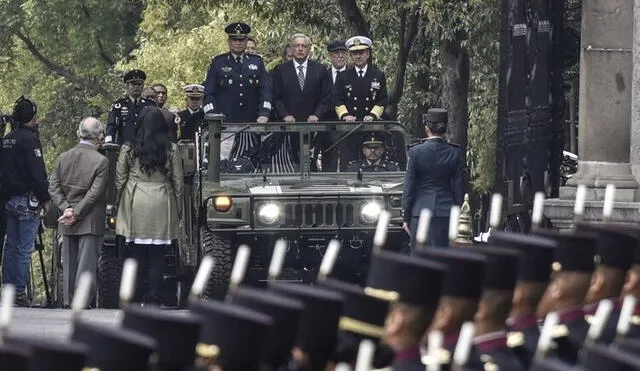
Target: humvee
225	209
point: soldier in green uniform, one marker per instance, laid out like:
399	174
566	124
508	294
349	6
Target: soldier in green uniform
373	151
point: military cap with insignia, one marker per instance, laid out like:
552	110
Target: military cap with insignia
575	252
435	115
615	246
536	254
598	357
398	277
336	45
465	270
135	76
318	329
114	348
236	337
373	139
14	358
238	30
284	311
175	335
501	269
358	43
194	90
24	110
49	355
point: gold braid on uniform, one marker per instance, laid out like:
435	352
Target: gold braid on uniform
341	111
377	111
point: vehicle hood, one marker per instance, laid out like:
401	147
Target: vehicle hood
316	185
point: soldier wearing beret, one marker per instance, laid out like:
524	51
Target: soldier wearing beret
435	179
238	86
359	93
373	151
189	120
533	274
572	269
124	112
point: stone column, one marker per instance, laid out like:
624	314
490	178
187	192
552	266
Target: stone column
604	132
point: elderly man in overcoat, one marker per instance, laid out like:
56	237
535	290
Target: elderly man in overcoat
78	187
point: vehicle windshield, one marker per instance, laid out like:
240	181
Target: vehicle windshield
325	147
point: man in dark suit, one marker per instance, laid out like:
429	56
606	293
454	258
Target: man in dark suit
238	86
359	94
435	180
77	188
300	93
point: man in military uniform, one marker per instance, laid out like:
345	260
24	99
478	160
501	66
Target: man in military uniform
570	281
124	112
238	86
359	94
435	180
373	151
189	120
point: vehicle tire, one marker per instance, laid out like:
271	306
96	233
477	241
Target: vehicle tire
109	273
219	247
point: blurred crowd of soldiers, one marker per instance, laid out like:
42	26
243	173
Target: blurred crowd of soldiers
297	89
437	308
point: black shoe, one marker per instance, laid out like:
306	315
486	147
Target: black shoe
22	300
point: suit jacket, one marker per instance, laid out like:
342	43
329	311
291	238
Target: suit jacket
360	96
288	99
435	179
79	181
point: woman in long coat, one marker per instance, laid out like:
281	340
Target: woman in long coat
149	184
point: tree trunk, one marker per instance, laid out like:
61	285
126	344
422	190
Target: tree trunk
455	87
421	58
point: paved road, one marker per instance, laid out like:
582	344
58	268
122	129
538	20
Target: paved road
56	323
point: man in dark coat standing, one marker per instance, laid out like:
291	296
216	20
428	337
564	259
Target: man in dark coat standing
359	94
435	180
300	93
189	120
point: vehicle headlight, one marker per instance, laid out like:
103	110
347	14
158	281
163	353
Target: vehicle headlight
370	211
111	222
222	203
268	213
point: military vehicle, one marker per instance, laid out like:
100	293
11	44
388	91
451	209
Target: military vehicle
224	207
306	208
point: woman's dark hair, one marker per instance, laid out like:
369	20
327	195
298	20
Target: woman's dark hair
150	144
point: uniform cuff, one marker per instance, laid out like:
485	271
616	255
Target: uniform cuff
341	111
377	111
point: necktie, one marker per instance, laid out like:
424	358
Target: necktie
361	72
238	60
301	76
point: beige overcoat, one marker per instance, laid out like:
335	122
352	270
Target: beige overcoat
147	205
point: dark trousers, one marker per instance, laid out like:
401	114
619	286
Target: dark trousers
150	260
438	232
3	226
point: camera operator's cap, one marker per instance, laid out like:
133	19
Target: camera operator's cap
234	336
435	115
363	315
358	43
336	45
135	76
536	254
615	246
575	251
403	278
597	357
14	358
238	30
284	311
176	335
501	270
47	355
373	139
114	348
318	329
194	90
466	270
24	110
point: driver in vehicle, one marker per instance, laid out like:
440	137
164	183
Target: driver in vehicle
373	151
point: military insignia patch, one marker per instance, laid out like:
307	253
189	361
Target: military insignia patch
230	81
37	152
177	119
117	105
226	69
266	105
253	67
375	85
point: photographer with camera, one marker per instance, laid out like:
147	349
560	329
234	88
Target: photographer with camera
25	189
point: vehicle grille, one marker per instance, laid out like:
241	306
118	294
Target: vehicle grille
318	214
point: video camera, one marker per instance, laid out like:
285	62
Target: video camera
4	120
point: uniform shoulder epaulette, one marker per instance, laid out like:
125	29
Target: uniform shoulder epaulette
515	339
560	331
453	144
443	358
488	363
635	320
257	56
420	141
